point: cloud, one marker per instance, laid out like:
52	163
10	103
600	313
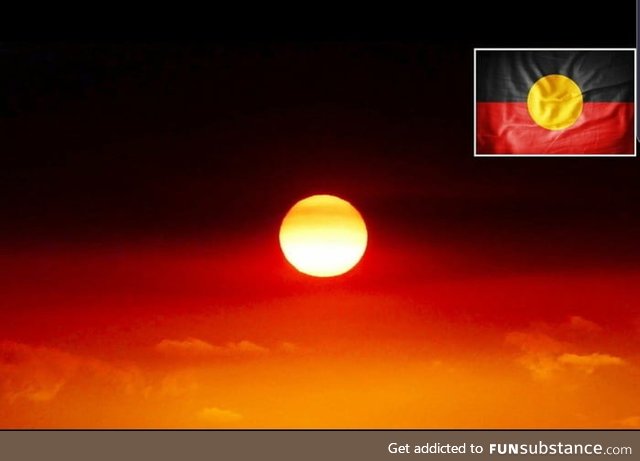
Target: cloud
245	347
179	384
581	324
195	347
192	346
545	355
39	373
219	415
588	363
33	373
534	342
538	352
631	421
288	347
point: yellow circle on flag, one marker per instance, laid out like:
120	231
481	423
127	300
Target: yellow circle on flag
555	102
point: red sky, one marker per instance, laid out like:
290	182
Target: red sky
210	336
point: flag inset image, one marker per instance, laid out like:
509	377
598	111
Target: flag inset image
555	102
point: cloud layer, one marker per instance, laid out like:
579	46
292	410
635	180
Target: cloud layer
215	415
38	373
197	347
547	350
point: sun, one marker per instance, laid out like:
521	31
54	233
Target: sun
323	236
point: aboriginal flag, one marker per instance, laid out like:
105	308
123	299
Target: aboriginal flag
555	102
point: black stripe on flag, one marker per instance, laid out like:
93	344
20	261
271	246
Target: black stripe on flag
507	76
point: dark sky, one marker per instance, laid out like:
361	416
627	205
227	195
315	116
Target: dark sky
167	138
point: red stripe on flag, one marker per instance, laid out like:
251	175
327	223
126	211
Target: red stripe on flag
507	128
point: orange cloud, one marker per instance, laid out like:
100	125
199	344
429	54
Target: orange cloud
286	346
196	347
179	384
581	324
538	352
544	354
33	373
38	373
191	346
217	415
631	421
245	347
588	363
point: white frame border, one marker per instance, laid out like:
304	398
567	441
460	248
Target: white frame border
635	102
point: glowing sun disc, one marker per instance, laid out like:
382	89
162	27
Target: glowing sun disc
323	236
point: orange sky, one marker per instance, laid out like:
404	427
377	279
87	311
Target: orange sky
196	336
